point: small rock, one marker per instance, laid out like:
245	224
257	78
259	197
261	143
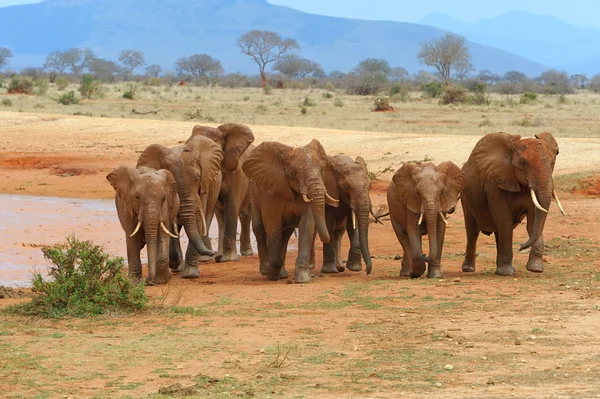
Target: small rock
483	358
449	367
456	280
490	382
469	370
469	345
397	257
402	315
262	350
355	348
438	384
532	337
447	334
518	341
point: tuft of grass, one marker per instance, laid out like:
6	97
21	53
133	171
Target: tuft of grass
528	97
528	122
67	98
338	102
7	102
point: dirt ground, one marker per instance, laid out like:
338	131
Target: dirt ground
232	333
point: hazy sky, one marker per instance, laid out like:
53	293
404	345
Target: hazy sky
578	12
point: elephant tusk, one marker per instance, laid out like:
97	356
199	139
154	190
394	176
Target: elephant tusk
136	229
353	220
175	227
443	218
420	219
296	233
558	203
305	198
330	198
162	226
535	201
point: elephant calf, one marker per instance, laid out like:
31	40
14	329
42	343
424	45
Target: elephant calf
419	198
147	204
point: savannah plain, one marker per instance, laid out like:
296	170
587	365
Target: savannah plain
231	333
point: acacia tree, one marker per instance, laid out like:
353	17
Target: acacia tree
56	61
294	66
153	70
78	59
265	47
448	54
132	59
199	65
5	54
398	74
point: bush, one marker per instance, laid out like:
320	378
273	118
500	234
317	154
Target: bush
528	97
85	282
21	85
562	99
130	92
327	95
68	98
61	83
268	90
454	95
303	110
382	104
42	86
338	102
153	82
7	102
365	84
1	83
478	97
308	102
89	87
431	89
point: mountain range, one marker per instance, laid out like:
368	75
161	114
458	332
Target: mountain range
542	38
168	29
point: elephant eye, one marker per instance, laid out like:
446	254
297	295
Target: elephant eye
137	197
164	198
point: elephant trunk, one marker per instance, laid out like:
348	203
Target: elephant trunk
362	217
151	223
431	216
317	204
189	219
544	197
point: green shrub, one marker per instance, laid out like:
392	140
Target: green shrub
61	83
399	93
478	97
1	83
130	92
338	102
21	85
89	87
382	104
528	97
246	98
308	102
303	110
68	98
267	90
41	86
86	281
154	82
327	95
454	95
7	102
431	89
562	99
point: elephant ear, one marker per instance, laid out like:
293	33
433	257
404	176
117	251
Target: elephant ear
153	156
237	138
361	160
171	193
548	138
454	182
121	180
266	167
316	146
404	179
331	181
209	155
492	158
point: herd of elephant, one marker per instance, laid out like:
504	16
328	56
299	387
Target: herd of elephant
281	190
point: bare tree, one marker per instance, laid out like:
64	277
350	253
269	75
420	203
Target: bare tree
449	55
5	54
132	59
398	74
579	79
56	61
294	66
595	83
78	59
153	70
199	65
265	47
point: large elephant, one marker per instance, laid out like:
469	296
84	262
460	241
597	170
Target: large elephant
509	178
288	191
147	204
348	180
419	198
234	198
196	167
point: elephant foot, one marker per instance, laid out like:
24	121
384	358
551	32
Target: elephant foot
164	278
535	265
434	272
228	257
205	258
329	267
190	272
505	270
417	269
263	268
302	275
354	266
283	274
273	273
312	266
174	262
405	270
340	268
468	267
247	252
135	279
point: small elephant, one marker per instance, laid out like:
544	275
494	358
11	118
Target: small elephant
234	197
419	198
147	204
508	179
348	180
196	167
288	191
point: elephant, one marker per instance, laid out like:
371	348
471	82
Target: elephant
508	179
234	197
348	180
288	190
420	197
196	167
147	202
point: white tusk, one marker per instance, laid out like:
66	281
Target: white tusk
420	219
175	227
296	232
558	203
443	218
162	226
305	198
136	229
330	198
353	220
535	201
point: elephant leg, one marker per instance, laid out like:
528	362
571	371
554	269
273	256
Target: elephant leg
313	253
402	236
206	237
535	263
245	243
354	262
220	216
434	269
472	235
163	272
134	261
504	256
175	254
192	258
275	246
306	239
261	242
283	274
231	210
329	250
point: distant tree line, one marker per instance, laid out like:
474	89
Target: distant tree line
448	56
